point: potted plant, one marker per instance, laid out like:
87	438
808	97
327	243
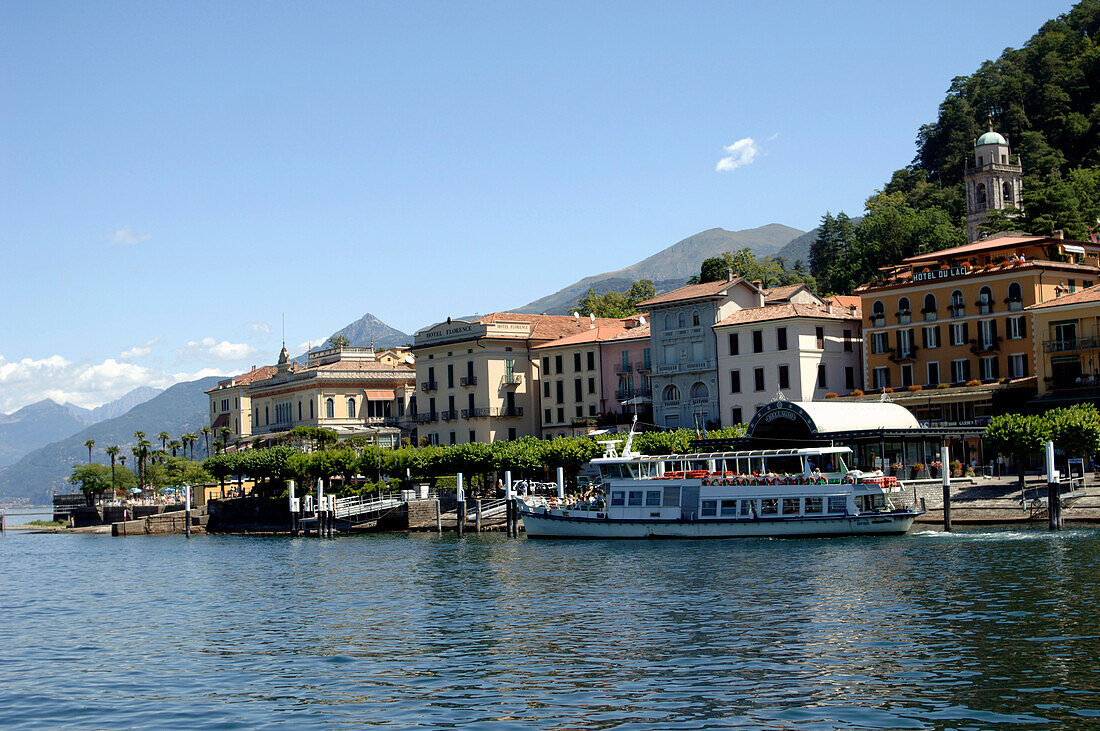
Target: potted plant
934	467
956	468
830	395
973	382
917	470
943	385
914	388
895	468
887	390
857	392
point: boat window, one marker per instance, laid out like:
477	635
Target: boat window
729	507
769	506
790	506
709	509
747	507
813	505
870	502
652	498
617	497
672	496
838	504
634	498
789	463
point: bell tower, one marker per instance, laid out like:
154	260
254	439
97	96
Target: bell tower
993	183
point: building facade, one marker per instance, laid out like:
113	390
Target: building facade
480	380
571	391
231	406
682	341
626	368
1067	340
343	389
947	332
802	351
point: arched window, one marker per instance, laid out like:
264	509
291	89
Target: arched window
979	195
903	306
330	408
957	299
1015	292
683	323
351	408
929	303
672	393
700	392
695	318
1008	199
668	322
878	310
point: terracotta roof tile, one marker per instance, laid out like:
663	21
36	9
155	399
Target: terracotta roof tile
846	300
991	244
782	292
1092	294
692	291
256	374
550	327
783	311
593	335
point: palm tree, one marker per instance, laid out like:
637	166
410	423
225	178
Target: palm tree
89	444
174	445
164	437
112	452
191	438
206	431
136	451
225	436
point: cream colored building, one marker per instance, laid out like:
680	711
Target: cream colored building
230	405
479	380
1067	348
571	390
347	390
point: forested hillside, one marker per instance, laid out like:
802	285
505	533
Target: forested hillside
1045	98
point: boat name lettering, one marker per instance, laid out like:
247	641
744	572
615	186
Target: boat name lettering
780	414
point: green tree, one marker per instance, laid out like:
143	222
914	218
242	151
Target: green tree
571	454
206	431
112	452
89	444
1017	435
164	437
1075	430
338	341
93	480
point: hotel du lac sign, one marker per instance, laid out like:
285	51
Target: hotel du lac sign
944	272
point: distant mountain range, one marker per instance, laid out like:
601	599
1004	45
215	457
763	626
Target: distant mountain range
364	331
671	267
47	421
179	409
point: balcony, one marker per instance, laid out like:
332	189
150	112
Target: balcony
480	413
645	367
957	310
903	317
426	386
511	379
982	346
1071	345
699	365
425	418
624	368
903	356
468	381
666	368
449	415
930	315
1014	305
985	308
506	413
878	320
582	421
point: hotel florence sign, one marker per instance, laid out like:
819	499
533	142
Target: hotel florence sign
944	272
446	332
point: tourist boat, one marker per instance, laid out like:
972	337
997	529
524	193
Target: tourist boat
781	492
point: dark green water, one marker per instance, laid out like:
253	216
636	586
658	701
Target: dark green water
978	629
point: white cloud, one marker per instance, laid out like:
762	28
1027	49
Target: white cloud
125	237
85	384
305	344
259	327
140	351
740	153
212	349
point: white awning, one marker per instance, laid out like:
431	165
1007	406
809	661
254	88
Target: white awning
1074	248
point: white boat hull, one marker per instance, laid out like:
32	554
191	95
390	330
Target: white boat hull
539	523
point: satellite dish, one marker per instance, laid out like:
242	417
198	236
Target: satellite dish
641	320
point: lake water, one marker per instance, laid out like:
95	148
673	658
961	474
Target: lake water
976	629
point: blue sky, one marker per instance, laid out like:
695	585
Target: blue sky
178	175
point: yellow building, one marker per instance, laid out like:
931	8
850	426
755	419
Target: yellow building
343	389
1067	347
947	332
479	380
230	405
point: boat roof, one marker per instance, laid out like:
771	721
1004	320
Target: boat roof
726	455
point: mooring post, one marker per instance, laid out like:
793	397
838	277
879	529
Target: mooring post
319	511
509	502
946	489
187	511
1054	502
460	507
293	508
438	517
561	485
477	518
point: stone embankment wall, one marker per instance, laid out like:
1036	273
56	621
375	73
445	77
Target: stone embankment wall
249	514
162	523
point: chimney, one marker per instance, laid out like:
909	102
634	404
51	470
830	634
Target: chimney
758	284
828	307
1059	234
729	274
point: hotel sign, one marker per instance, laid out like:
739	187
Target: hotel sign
456	330
942	273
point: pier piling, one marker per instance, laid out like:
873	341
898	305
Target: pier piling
946	471
460	507
1054	502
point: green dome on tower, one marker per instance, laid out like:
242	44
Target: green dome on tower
991	138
